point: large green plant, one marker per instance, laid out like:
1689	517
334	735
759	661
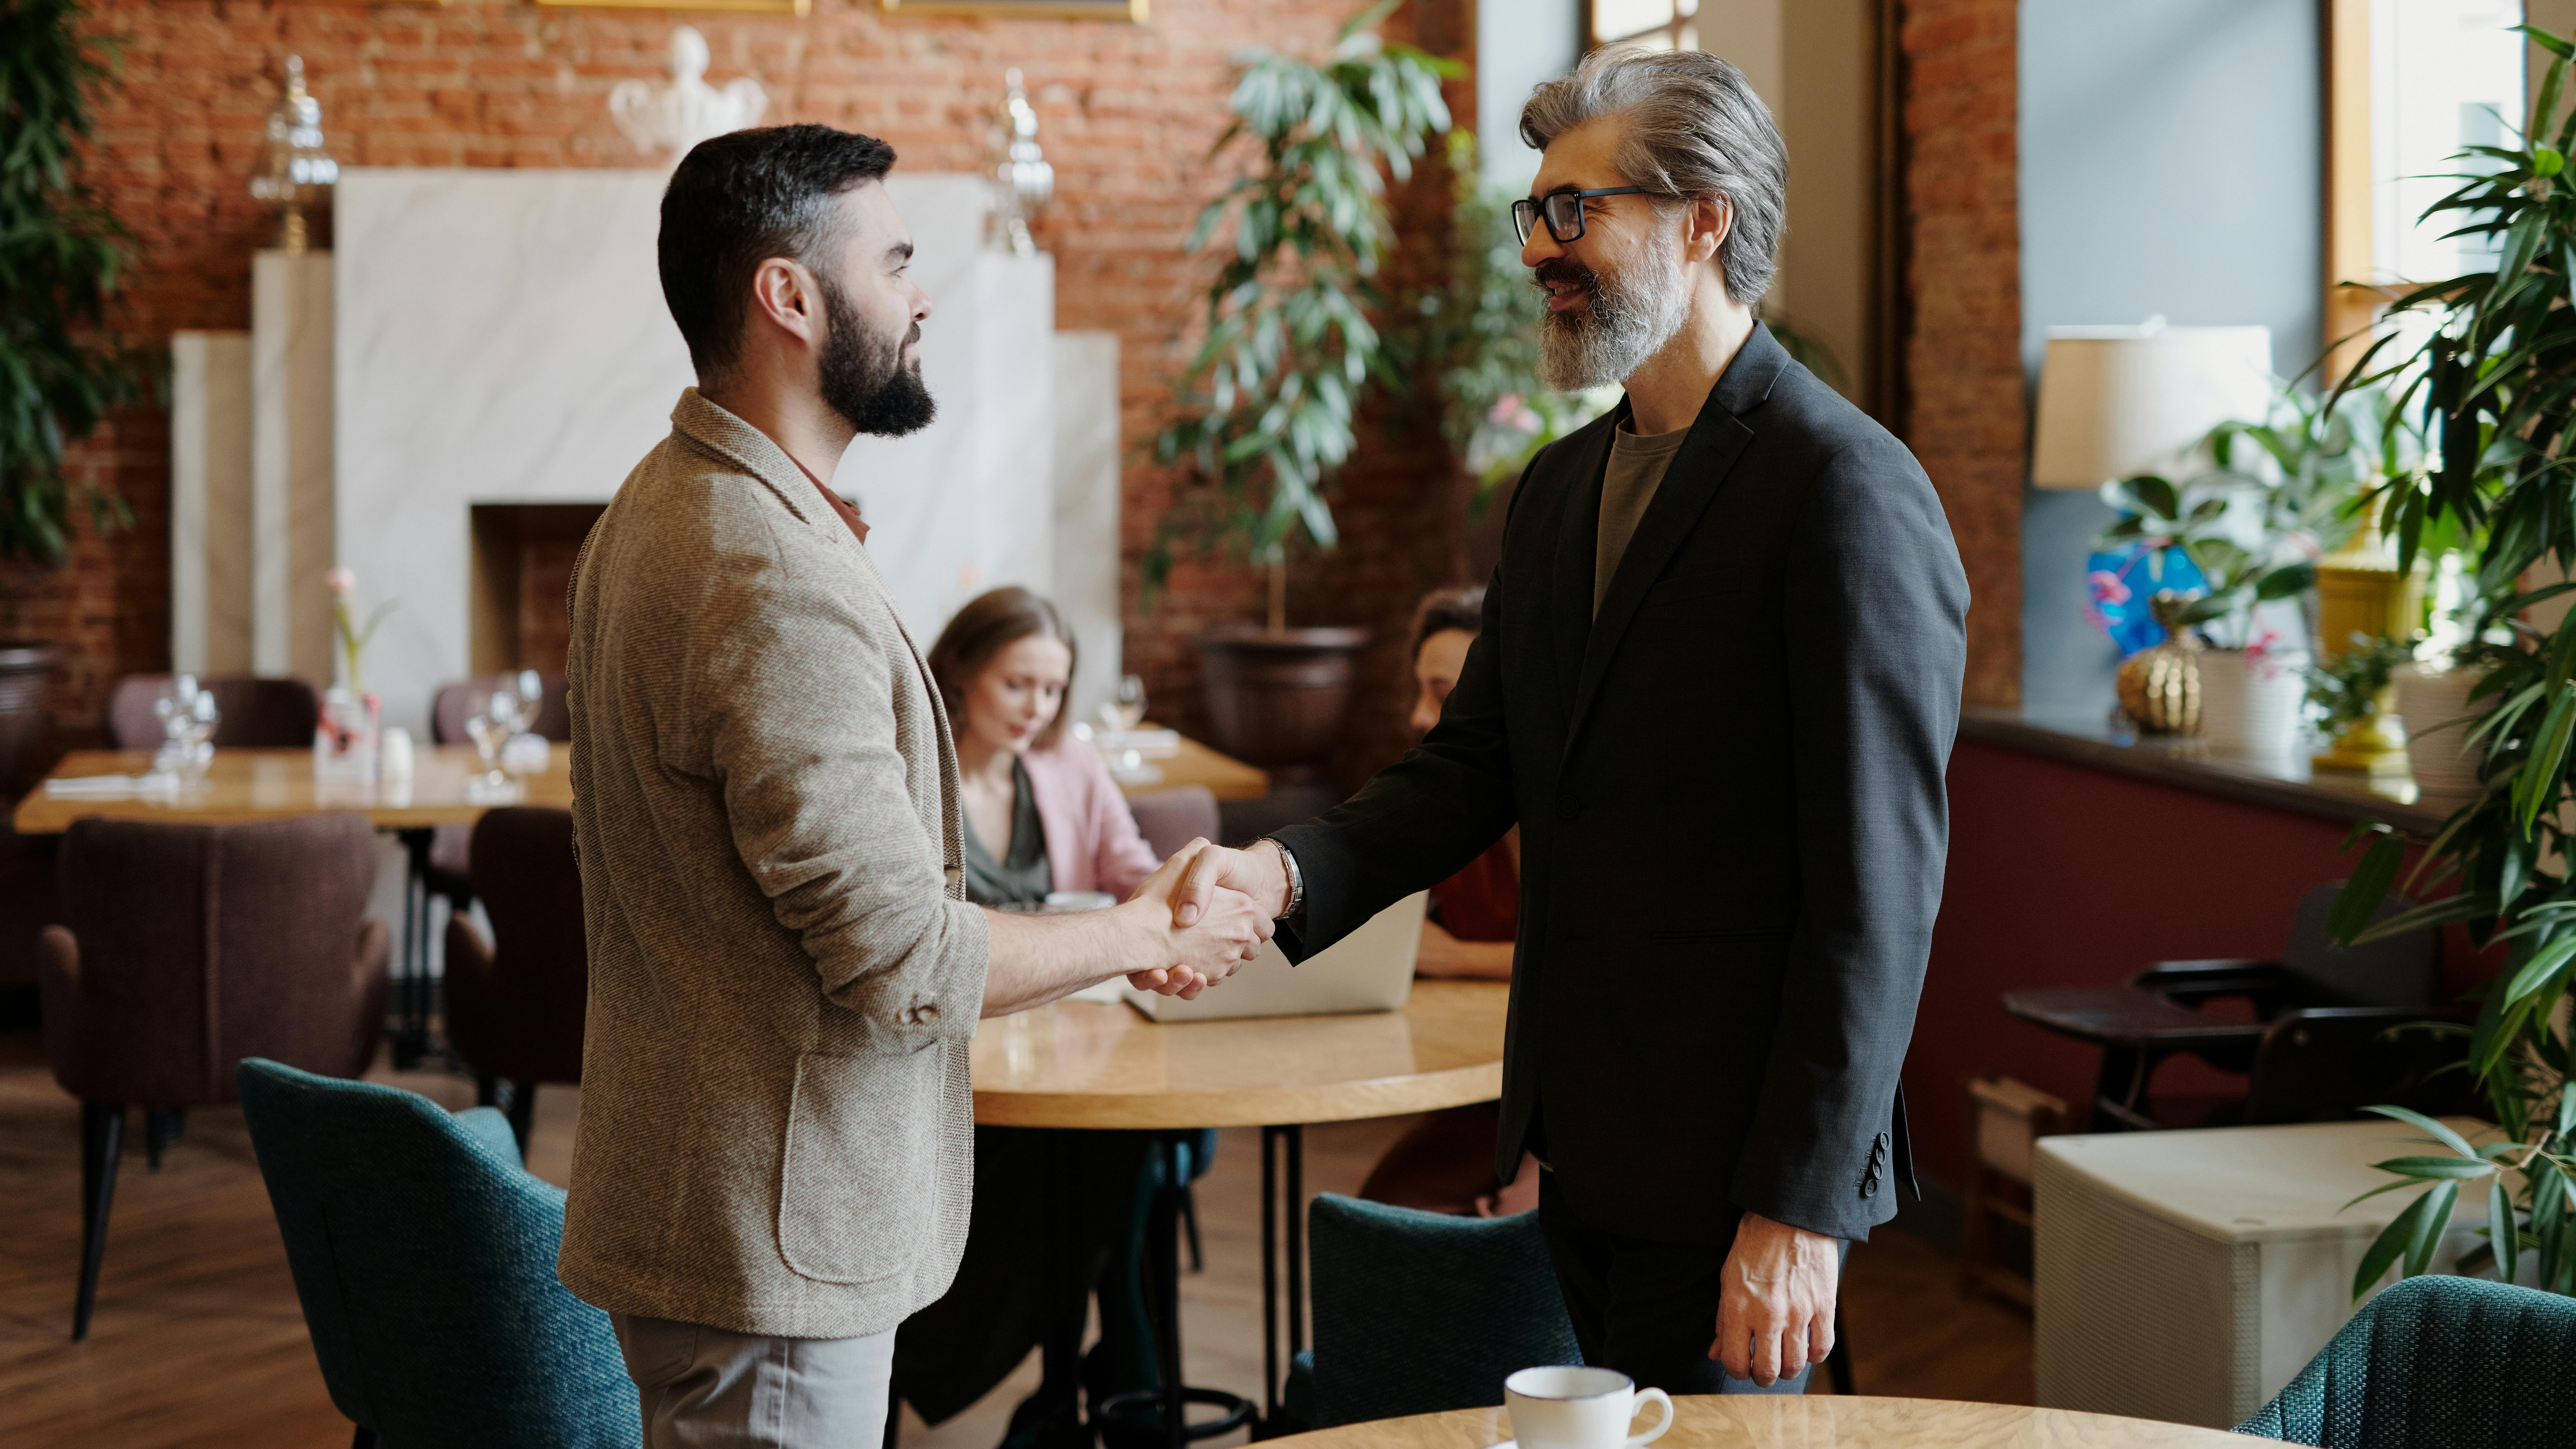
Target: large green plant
1266	410
62	254
2491	360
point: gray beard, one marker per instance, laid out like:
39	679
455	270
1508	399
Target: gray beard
1629	320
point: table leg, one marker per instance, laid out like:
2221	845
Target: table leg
411	981
1276	1142
1169	1402
1269	1285
1296	1139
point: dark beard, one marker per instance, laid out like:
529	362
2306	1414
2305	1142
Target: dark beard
863	375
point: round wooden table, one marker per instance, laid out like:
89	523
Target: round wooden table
1094	1066
1810	1421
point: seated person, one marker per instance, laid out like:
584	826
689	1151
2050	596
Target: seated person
1445	1162
1042	814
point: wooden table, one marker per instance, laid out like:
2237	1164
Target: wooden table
1083	1065
1193	763
248	786
1810	1421
242	786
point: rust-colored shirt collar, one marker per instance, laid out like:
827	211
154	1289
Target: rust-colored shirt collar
849	515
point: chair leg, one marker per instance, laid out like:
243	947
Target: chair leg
523	1114
102	1139
487	1091
162	1127
1190	1222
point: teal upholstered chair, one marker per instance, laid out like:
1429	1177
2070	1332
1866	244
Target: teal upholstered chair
425	1258
1418	1312
2437	1363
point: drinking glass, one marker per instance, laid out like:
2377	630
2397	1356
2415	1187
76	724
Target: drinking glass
488	735
1126	709
532	693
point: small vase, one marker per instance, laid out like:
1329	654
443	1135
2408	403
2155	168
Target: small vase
2435	705
344	738
2251	701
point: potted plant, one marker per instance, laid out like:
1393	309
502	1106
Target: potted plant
2249	526
2492	373
1266	410
62	256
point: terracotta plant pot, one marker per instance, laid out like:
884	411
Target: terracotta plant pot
25	729
1278	699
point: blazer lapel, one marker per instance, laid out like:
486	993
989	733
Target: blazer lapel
1578	531
1717	438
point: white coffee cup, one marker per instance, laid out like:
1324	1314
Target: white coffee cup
1580	1408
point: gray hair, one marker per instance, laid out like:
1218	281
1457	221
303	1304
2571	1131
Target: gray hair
1695	129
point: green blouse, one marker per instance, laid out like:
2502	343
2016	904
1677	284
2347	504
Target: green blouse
1024	878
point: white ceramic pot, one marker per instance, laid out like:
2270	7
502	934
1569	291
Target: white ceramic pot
2437	750
2253	704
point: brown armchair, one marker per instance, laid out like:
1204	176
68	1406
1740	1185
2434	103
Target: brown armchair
275	714
191	947
515	1014
1170	819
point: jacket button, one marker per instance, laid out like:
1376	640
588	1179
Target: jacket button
1571	807
1869	1186
1882	1139
924	1015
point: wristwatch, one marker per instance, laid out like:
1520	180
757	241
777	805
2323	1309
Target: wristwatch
1296	878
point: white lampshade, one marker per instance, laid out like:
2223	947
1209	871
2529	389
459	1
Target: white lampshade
2115	402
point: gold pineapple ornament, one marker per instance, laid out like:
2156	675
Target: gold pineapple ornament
2159	685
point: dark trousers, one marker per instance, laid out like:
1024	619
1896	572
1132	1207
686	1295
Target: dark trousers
1645	1308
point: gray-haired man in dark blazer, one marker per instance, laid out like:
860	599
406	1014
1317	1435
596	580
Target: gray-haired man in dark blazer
1716	688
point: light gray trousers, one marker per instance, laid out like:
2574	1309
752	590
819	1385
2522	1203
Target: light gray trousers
709	1388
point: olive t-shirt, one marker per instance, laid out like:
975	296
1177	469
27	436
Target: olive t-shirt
1627	486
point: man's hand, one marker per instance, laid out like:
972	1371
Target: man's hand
1221	934
1775	1315
1256	871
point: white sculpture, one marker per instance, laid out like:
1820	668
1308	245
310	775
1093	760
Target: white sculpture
678	116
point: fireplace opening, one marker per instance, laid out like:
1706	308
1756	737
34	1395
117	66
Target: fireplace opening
522	565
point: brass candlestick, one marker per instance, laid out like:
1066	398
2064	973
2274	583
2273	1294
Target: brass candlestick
295	171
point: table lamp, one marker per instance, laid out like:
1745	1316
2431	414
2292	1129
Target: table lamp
2115	402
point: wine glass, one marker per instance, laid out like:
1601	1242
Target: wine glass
532	693
1126	708
203	717
489	735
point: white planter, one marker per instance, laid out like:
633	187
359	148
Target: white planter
2252	704
2441	759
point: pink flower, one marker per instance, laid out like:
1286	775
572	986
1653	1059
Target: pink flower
1504	408
341	581
2108	587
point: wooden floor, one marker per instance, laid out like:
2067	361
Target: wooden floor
198	1341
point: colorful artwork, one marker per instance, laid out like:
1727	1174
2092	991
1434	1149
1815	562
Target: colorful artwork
2122	585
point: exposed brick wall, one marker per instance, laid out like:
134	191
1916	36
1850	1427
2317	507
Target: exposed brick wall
1128	113
1965	405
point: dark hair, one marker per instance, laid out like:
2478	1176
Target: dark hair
1444	609
990	623
736	201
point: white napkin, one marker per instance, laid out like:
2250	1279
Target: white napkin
112	787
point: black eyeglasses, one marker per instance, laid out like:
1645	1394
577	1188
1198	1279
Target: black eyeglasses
1563	211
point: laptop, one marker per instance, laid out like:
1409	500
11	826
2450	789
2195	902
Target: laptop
1371	969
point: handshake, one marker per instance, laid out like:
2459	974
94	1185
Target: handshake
1212	909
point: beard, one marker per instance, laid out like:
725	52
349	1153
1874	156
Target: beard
1628	319
863	375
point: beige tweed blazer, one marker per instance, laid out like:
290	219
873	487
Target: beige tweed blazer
776	1123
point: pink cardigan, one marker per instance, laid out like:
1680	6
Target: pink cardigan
1091	840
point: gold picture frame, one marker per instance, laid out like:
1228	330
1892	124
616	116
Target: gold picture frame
1131	11
766	7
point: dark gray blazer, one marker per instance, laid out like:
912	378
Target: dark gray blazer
1733	820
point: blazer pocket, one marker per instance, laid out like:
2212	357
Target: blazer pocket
858	1187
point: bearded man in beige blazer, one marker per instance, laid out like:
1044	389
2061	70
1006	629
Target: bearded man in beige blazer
773	1162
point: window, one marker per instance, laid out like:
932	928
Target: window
1654	24
2412	83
